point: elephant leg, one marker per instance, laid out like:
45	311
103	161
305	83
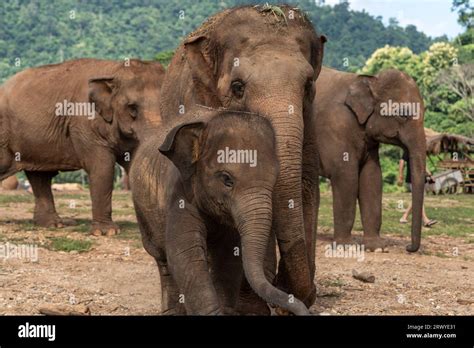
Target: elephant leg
226	267
152	228
344	193
45	214
101	178
370	201
186	248
171	301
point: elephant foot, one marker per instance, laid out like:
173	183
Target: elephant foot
48	220
375	244
104	229
293	279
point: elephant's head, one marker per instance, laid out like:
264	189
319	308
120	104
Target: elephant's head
230	167
128	101
265	59
391	108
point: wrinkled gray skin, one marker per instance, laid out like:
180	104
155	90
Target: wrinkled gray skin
251	59
349	127
208	224
34	139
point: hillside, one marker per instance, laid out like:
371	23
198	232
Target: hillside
42	32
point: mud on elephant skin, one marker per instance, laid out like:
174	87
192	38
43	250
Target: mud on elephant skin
252	59
84	113
204	207
353	115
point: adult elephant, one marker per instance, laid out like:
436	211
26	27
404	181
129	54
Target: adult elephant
353	115
262	59
84	113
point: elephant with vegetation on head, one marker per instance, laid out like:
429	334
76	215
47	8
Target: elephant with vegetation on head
353	115
204	207
262	59
84	113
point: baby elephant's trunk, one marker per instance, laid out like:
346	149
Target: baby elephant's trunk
254	221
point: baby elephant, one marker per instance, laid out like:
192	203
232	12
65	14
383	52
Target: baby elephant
206	215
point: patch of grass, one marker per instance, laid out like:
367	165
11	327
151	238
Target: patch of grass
67	244
83	226
454	214
24	225
17	198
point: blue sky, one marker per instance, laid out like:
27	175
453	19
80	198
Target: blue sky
433	17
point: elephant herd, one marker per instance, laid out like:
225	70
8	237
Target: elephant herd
248	81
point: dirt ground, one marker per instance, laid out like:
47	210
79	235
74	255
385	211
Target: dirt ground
116	276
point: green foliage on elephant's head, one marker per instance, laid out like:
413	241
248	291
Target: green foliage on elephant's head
273	9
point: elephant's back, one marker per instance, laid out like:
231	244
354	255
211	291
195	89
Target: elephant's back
48	82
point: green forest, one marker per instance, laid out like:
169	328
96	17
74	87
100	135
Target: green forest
40	32
44	32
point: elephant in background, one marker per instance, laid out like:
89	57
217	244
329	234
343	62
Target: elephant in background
84	113
252	59
208	220
353	115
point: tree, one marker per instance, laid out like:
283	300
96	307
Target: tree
459	79
387	57
465	12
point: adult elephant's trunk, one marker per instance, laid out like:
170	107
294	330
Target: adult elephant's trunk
254	222
417	160
294	275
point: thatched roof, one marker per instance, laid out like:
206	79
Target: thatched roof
443	142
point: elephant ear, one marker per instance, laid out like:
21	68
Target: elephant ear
360	98
100	93
318	54
201	55
181	146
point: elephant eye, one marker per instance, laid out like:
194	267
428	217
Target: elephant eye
133	109
226	179
238	88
